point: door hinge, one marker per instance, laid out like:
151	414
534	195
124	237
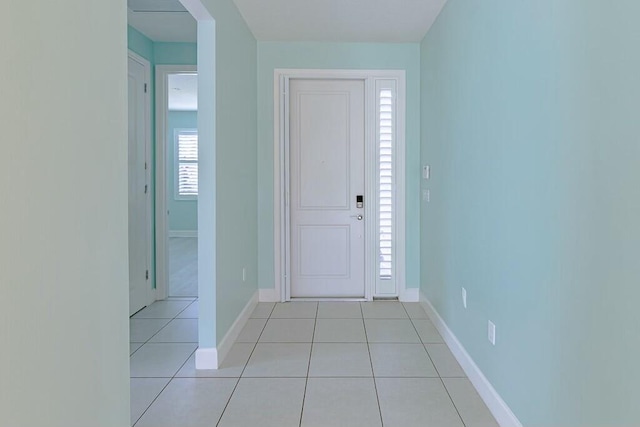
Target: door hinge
145	88
145	166
147	275
146	189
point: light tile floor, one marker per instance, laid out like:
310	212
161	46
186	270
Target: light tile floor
301	364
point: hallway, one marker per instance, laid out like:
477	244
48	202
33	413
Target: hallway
301	364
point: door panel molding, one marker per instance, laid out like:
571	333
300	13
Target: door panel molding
282	220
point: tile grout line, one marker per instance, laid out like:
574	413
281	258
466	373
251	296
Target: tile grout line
373	373
170	379
245	366
306	382
434	366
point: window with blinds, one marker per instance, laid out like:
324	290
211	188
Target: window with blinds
386	136
186	167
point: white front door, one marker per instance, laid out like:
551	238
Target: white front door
327	137
138	189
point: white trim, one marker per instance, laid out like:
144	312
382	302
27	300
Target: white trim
183	233
498	407
268	295
232	335
162	206
150	294
281	211
207	358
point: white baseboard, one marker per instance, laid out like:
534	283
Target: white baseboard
498	407
183	233
410	295
232	335
206	358
269	295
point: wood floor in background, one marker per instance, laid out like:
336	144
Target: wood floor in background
183	266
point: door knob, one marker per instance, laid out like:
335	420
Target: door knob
359	217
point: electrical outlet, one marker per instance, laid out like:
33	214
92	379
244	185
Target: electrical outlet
244	274
464	297
492	333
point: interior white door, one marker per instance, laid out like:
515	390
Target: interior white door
326	143
138	190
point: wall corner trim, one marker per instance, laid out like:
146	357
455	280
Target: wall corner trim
207	358
497	406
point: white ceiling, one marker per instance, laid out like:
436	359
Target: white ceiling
162	20
183	92
391	21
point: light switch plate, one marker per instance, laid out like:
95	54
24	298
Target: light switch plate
426	171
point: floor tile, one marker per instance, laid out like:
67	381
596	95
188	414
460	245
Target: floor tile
265	402
339	330
167	309
133	346
232	365
383	310
401	360
140	330
279	360
189	402
288	330
295	310
263	310
416	402
191	312
341	402
160	360
339	310
143	392
391	331
415	310
427	331
252	330
340	360
446	364
178	330
470	406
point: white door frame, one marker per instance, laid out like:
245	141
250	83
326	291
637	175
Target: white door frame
162	203
150	296
281	175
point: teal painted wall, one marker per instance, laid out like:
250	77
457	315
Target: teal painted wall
175	53
530	123
183	214
140	44
236	164
272	55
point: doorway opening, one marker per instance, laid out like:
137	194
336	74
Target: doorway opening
177	179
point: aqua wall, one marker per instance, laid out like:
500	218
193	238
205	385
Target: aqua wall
183	214
530	123
235	175
272	55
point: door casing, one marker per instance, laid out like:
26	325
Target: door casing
282	233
